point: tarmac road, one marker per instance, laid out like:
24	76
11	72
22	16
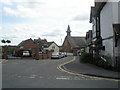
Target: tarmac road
30	73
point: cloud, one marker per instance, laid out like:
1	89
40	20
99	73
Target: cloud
21	11
53	33
50	35
34	3
6	2
83	17
48	21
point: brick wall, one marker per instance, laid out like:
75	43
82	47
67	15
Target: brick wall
66	46
29	44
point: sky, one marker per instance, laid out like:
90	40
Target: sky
49	19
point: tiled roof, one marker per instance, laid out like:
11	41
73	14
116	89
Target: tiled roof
76	42
23	42
49	43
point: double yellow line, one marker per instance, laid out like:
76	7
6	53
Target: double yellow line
62	68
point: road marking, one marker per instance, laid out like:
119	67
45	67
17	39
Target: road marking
4	60
30	76
63	78
81	75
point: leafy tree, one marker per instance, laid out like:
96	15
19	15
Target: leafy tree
3	41
8	41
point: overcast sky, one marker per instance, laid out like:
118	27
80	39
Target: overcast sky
24	19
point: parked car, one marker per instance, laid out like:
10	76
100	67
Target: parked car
64	54
26	53
56	55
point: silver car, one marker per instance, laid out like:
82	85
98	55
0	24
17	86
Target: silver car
56	55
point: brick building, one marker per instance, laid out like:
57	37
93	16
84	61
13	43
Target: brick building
73	44
33	46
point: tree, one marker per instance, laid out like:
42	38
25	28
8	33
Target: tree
5	50
7	41
3	41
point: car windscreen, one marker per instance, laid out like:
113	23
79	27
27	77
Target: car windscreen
55	53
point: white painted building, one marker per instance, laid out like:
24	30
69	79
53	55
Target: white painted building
106	30
109	17
52	46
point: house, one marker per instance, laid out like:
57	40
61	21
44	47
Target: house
105	21
30	45
89	41
27	44
40	42
51	46
39	48
73	44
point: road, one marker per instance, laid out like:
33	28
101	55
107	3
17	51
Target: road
30	73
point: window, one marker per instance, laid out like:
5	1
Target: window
53	47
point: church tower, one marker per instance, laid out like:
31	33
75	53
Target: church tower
68	31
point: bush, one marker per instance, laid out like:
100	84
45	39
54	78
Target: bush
104	64
85	57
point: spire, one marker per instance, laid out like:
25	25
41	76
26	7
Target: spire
68	31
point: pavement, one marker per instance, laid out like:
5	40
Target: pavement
91	70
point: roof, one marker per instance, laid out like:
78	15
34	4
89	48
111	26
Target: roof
77	42
23	42
49	43
68	29
38	41
97	9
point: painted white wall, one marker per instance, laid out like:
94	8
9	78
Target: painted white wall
108	16
94	28
119	12
115	6
56	49
106	20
